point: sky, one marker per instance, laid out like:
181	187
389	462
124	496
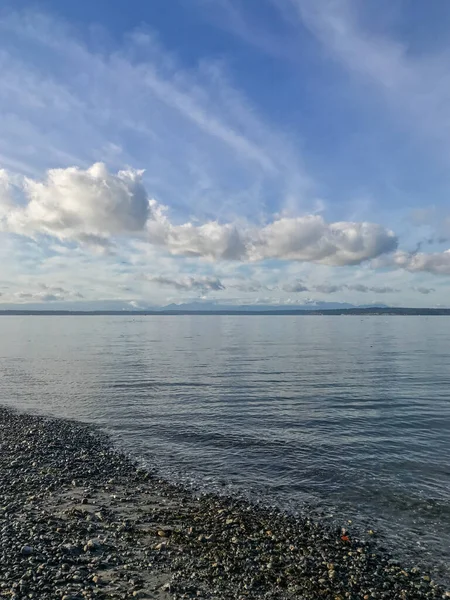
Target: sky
228	151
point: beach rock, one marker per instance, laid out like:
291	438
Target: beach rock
211	547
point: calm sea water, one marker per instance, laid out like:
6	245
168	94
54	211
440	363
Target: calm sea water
349	415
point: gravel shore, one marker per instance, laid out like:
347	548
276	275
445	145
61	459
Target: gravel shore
78	519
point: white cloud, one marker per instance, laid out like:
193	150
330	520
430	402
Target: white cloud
87	206
5	192
211	240
311	239
305	239
93	206
435	262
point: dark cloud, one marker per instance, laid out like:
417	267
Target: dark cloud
429	242
328	289
202	284
333	289
251	286
385	289
53	289
51	298
296	288
47	293
38	297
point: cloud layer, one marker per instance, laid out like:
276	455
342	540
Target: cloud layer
93	206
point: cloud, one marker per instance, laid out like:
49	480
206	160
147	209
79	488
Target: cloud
203	284
311	239
416	86
251	286
304	239
93	206
328	289
138	104
4	183
247	284
87	206
6	193
233	17
384	289
424	290
437	221
436	262
38	291
211	240
37	297
297	287
134	304
58	291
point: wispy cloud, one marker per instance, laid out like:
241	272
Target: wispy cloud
193	126
231	15
437	263
416	87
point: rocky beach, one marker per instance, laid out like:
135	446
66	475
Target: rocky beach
79	519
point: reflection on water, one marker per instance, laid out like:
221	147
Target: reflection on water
349	414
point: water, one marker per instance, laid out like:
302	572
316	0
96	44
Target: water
349	415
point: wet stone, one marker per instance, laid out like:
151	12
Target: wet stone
79	520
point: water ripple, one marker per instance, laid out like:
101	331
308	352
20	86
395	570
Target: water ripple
351	416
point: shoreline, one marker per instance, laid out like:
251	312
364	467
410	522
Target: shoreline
238	311
79	519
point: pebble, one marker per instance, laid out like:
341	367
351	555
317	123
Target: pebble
77	508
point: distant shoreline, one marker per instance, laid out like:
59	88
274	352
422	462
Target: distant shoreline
251	312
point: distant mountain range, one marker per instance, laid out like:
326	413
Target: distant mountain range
214	307
120	306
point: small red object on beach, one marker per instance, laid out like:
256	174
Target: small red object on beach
345	538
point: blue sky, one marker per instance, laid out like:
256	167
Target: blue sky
238	151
